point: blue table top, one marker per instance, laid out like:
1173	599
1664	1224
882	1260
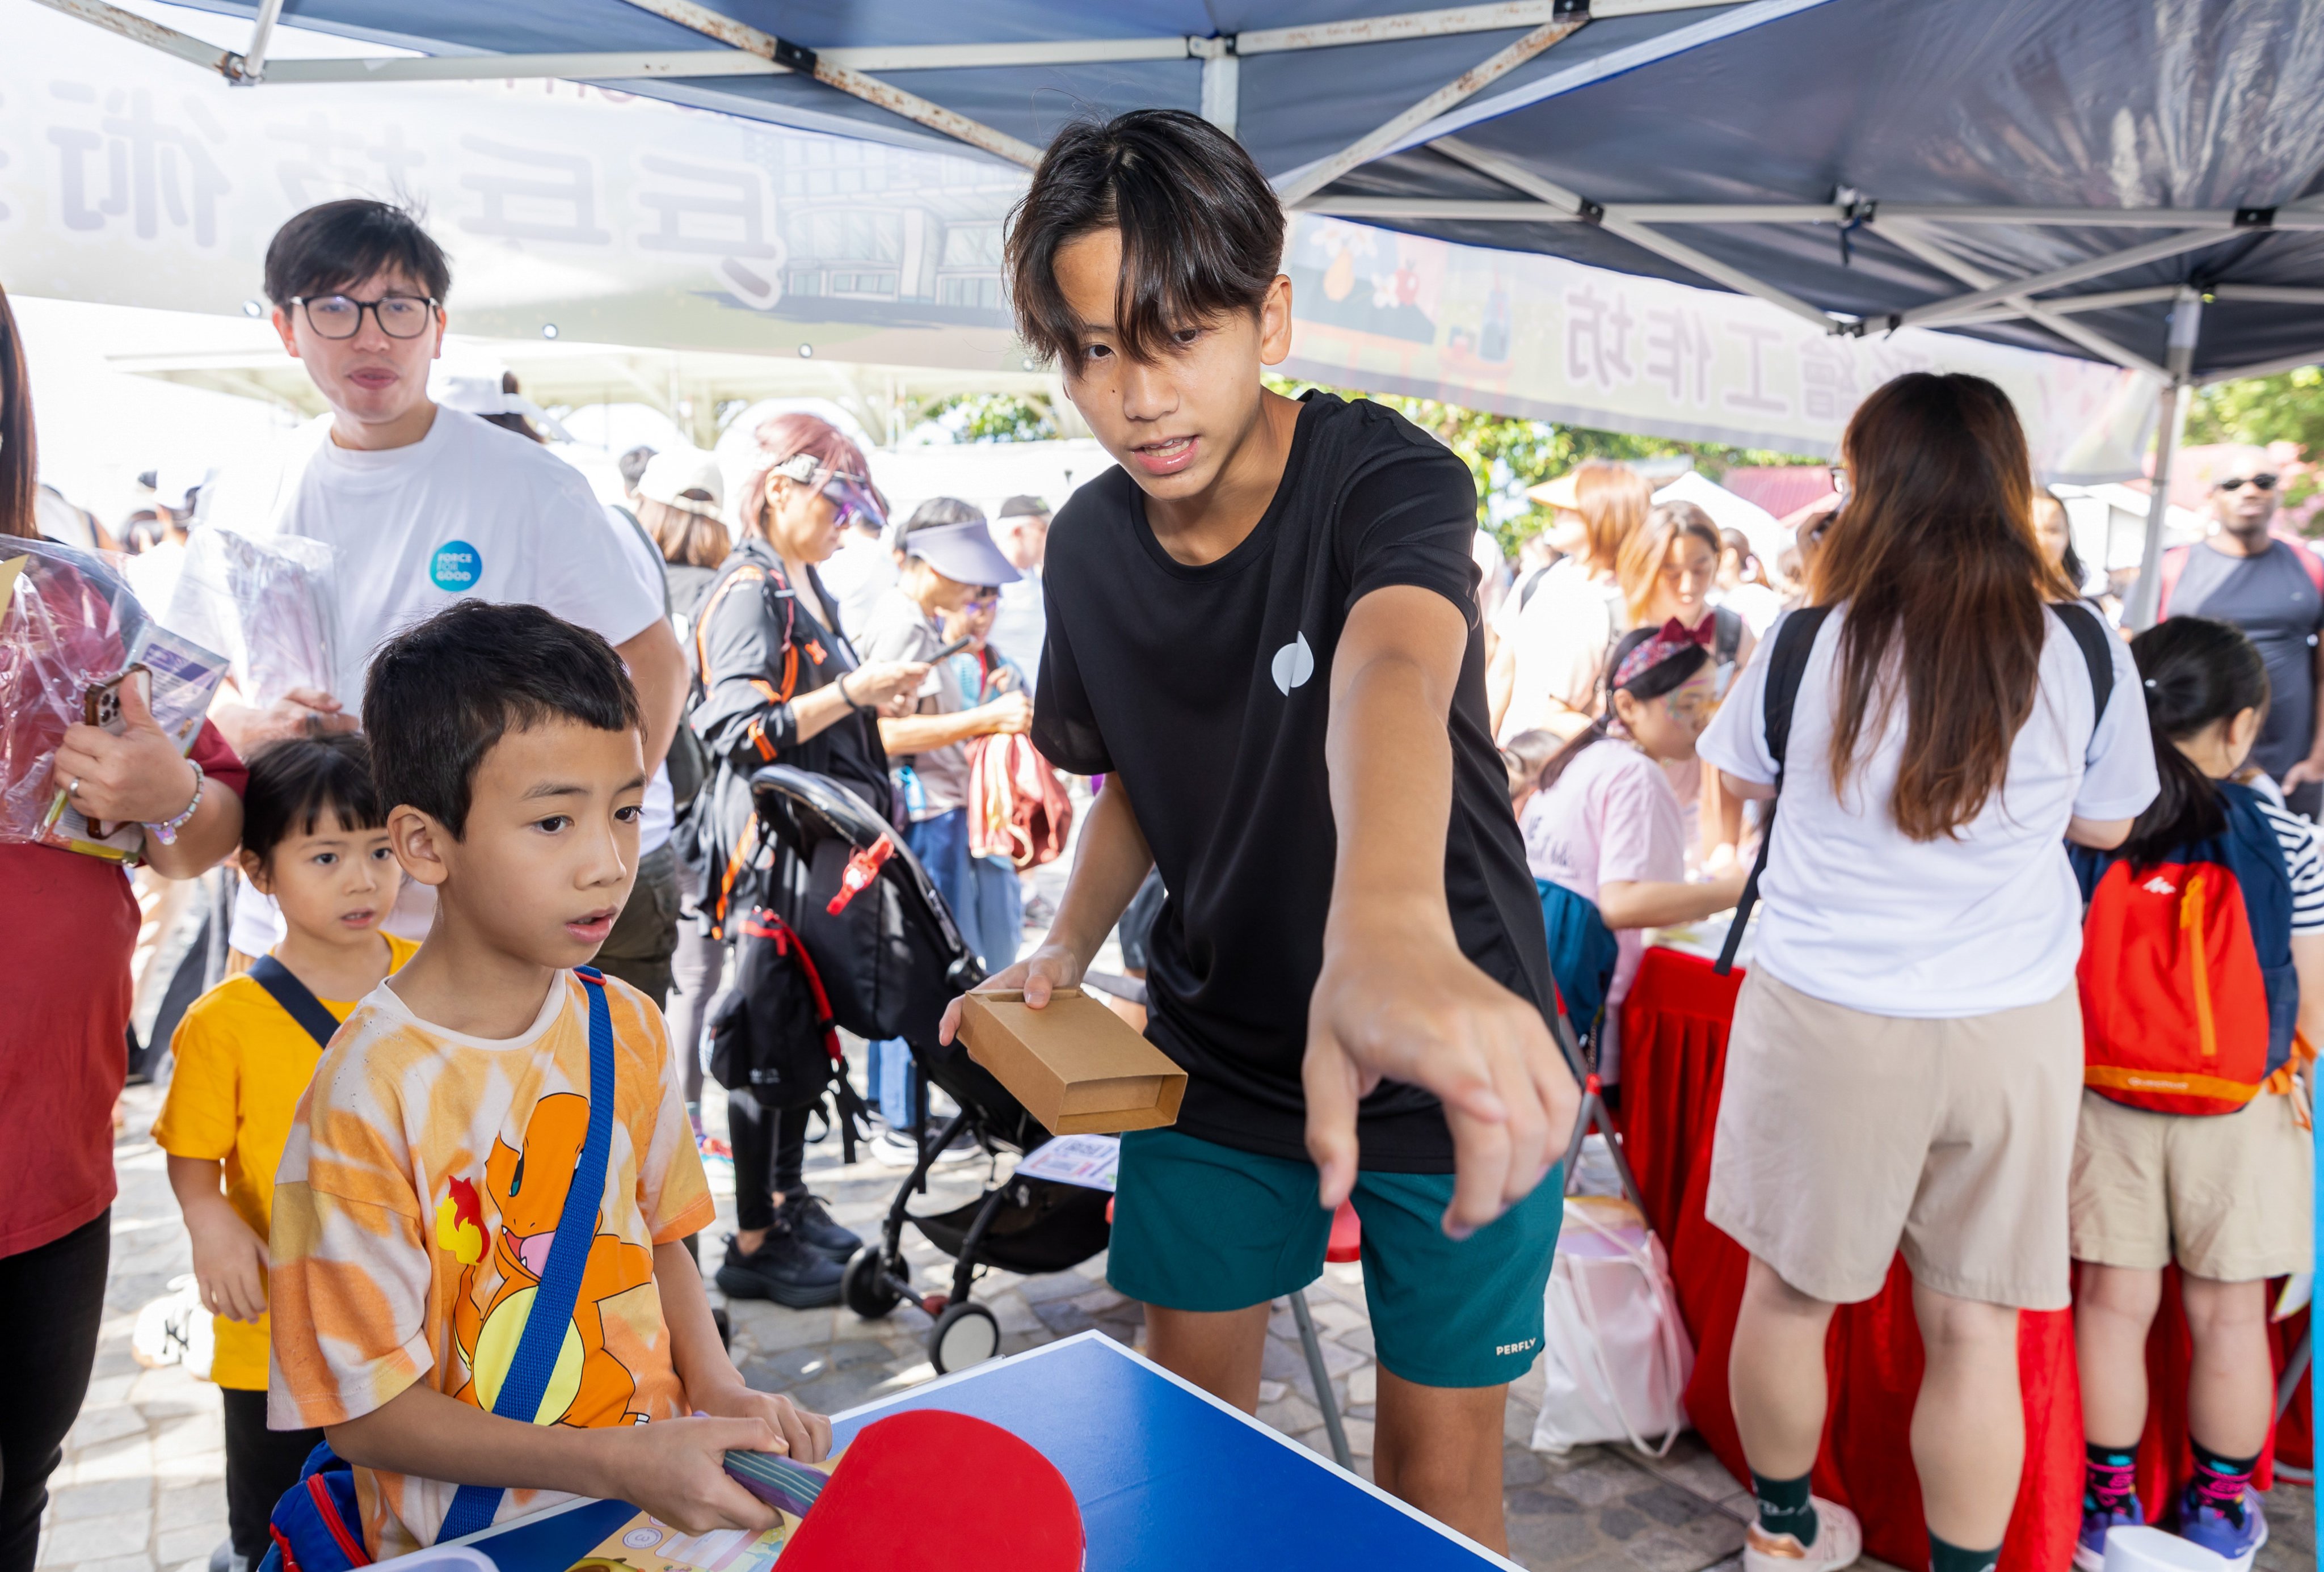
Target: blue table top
1167	1476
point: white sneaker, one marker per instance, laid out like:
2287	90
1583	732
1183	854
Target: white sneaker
1839	1541
893	1148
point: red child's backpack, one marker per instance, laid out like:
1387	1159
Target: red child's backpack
2188	991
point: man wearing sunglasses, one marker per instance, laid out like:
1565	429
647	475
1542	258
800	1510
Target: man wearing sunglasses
421	504
2273	590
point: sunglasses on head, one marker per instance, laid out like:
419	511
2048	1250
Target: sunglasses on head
2266	482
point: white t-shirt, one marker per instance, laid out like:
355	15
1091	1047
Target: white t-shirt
1560	634
1854	912
469	512
660	805
1611	819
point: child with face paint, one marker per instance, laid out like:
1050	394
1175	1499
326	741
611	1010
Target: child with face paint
1605	830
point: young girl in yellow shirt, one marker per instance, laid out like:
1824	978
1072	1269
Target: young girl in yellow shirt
314	839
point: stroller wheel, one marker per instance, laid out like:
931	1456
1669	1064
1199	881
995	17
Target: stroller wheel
865	1287
965	1335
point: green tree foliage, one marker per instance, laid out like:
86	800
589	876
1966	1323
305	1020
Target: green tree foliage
2286	408
992	418
1507	455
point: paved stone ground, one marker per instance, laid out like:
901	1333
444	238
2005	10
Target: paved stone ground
142	1489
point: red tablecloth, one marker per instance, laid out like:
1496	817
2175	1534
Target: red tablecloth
1674	1060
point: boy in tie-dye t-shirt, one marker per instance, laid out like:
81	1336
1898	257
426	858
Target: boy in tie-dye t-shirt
430	1164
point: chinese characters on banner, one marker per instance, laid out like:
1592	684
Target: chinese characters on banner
126	178
1629	353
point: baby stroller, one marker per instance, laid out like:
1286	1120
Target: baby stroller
891	960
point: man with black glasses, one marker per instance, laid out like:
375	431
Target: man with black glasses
422	505
2273	590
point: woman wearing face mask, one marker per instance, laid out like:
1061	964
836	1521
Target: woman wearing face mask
780	684
1668	570
1604	835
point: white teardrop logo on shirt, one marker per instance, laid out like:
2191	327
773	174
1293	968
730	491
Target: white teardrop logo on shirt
1294	664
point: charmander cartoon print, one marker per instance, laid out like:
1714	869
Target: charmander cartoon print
528	1189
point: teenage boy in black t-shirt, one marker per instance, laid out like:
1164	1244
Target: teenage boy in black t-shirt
1263	629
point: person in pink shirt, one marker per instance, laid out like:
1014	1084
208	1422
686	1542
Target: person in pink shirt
1606	830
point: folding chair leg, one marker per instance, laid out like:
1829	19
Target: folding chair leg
1323	1399
1592	1115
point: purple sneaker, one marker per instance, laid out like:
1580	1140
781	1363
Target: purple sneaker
2090	1549
2232	1530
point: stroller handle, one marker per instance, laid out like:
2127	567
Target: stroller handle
799	808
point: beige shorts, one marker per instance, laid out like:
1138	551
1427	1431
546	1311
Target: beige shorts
2225	1195
1843	1137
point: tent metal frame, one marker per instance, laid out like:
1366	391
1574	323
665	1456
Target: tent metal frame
1915	228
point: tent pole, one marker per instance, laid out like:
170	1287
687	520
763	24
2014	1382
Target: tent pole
1518	177
1222	80
1908	238
856	84
152	34
2170	417
1953	306
252	67
1306	183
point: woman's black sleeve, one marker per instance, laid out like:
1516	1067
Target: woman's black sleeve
741	720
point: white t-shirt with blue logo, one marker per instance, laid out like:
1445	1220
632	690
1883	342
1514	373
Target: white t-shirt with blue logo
468	512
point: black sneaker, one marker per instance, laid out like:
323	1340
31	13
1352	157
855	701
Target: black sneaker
783	1268
813	1225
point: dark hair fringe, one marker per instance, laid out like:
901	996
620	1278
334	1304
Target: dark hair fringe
2195	673
441	693
295	781
1663	677
1201	231
337	244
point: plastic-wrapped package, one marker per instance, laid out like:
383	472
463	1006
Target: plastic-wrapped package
266	604
69	627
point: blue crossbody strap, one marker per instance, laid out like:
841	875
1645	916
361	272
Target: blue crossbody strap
551	1314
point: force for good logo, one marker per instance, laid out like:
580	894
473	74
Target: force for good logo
456	567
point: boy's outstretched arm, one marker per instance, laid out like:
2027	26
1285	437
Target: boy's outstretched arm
1397	999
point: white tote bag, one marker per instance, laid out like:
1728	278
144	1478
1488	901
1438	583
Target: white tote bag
1616	1356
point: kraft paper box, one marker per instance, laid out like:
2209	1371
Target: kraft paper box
1075	1065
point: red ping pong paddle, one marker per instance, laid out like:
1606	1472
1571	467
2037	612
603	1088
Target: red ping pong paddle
927	1490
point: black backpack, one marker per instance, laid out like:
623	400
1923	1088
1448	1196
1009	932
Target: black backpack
889	956
1787	664
771	1033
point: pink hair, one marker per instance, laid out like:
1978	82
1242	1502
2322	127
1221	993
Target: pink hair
783	437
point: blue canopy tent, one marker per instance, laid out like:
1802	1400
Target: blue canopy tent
2120	180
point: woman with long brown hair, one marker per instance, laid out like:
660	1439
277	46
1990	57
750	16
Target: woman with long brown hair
1553	643
1905	1063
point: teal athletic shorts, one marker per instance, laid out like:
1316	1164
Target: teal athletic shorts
1201	1227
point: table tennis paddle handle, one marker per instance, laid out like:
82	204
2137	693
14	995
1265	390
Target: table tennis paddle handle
775	1479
